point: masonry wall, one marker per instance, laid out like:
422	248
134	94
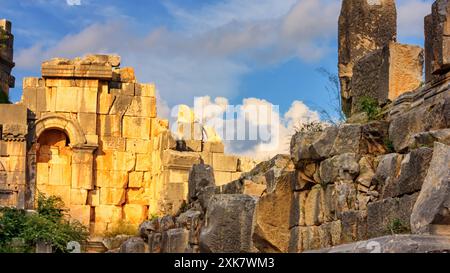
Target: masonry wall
96	141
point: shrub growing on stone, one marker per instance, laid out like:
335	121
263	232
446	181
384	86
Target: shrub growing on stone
20	231
371	107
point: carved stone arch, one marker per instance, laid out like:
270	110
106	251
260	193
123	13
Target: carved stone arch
71	128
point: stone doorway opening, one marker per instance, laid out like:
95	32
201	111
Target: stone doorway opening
54	164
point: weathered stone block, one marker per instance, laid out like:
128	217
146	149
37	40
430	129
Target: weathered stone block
141	107
201	185
80	213
439	40
82	176
135	179
121	104
143	162
111	179
178	176
112	196
180	160
109	125
127	75
213	147
134	214
343	167
139	146
228	228
138	196
429	117
347	140
135	127
386	74
146	90
78	196
354	226
390	215
273	218
133	245
433	204
225	163
117	161
412	174
107	143
223	178
175	241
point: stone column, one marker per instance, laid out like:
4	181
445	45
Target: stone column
364	26
437	41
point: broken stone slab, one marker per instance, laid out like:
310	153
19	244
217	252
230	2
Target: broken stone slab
385	74
155	243
388	170
103	72
390	215
273	218
201	185
315	237
394	244
343	167
115	242
348	140
353	225
175	241
430	117
413	170
364	26
242	186
431	213
133	245
267	173
228	224
148	227
428	139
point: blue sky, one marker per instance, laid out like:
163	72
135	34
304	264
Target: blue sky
236	49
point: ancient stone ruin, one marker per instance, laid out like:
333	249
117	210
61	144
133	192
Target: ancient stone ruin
371	63
386	179
6	56
89	132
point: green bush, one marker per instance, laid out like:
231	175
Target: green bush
370	106
49	224
396	226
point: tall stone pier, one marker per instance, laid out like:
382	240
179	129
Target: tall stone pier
6	56
364	26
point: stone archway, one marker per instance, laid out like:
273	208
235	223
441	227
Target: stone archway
64	161
71	128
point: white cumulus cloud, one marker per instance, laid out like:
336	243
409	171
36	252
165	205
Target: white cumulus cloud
73	2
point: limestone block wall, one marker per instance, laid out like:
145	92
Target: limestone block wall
95	140
6	56
173	161
13	130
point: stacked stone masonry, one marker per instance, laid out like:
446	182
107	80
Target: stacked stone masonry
88	132
352	182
